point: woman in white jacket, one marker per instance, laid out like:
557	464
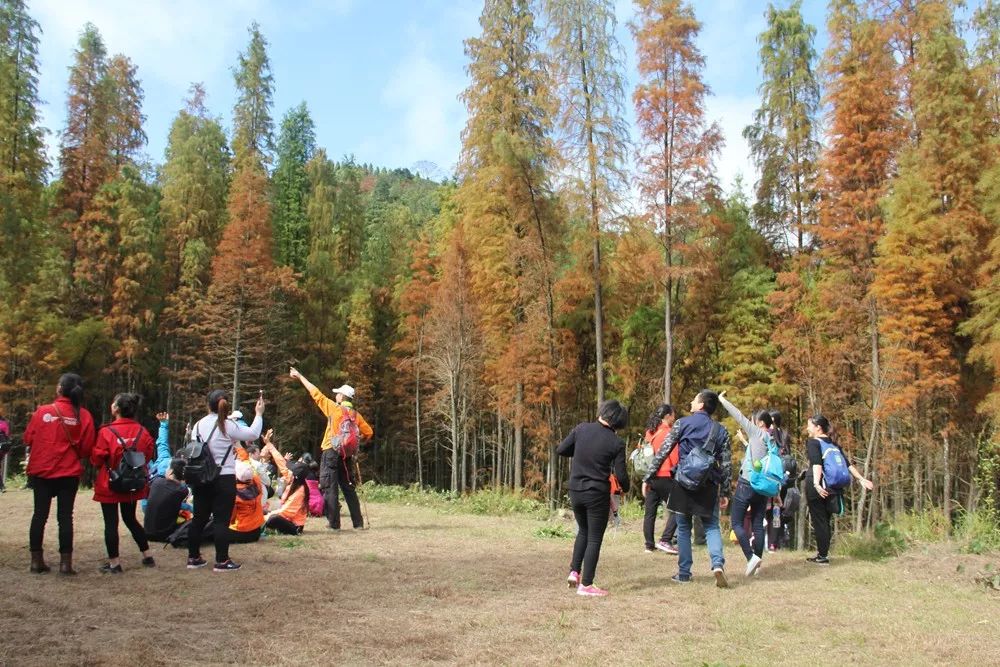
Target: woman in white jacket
217	498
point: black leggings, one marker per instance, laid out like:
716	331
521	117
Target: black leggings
244	536
110	511
63	489
336	473
819	511
283	525
591	511
213	500
657	493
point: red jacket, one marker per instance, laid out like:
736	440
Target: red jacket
108	453
52	453
656	440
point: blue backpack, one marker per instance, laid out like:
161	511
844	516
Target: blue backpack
835	472
693	469
768	480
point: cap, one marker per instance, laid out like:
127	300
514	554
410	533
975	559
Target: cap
347	390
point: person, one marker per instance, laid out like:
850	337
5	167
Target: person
248	509
335	469
218	497
597	452
657	490
699	430
5	445
823	501
60	435
161	464
165	506
290	518
108	450
745	499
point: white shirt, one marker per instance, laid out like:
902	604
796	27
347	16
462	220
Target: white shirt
221	442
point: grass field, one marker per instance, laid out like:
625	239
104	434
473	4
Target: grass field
424	586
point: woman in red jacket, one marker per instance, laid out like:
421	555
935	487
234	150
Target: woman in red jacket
112	439
59	434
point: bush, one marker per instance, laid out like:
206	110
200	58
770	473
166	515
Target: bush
553	530
978	532
927	526
494	502
886	542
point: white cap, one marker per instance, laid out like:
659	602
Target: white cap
236	415
347	390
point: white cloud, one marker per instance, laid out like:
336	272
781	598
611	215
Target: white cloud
424	96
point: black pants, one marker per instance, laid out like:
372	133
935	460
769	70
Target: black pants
819	511
336	474
63	489
743	499
591	511
110	511
657	493
283	525
244	536
213	500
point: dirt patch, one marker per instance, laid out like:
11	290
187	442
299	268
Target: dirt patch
424	587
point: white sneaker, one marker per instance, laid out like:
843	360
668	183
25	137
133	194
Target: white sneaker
753	565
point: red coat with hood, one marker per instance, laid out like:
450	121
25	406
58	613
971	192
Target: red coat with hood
108	454
58	443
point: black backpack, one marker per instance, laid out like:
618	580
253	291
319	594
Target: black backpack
695	468
791	470
6	443
201	468
130	475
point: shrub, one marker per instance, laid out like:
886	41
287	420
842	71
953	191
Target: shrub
553	530
495	502
886	542
978	532
927	526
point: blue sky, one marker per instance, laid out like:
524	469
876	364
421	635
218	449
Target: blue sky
381	78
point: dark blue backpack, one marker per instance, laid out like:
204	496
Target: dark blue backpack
835	470
694	469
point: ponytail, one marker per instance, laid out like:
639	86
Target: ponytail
71	387
128	404
218	402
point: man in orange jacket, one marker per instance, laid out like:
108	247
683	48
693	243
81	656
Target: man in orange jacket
336	468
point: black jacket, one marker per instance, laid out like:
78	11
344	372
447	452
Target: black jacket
596	452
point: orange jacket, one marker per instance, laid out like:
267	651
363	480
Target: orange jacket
334	413
293	506
656	440
248	510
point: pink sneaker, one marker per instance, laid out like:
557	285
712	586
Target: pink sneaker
666	547
573	579
591	591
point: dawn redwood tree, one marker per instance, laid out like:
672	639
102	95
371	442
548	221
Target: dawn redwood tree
296	145
677	143
588	67
782	138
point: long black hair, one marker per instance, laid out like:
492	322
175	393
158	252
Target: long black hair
71	387
823	423
657	416
127	404
299	473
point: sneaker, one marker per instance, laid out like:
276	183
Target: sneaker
228	566
195	563
148	562
720	577
678	579
753	565
108	569
573	579
819	560
591	591
666	547
649	550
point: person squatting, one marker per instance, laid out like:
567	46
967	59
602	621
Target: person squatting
221	488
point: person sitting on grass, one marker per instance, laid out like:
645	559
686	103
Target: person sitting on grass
290	518
166	506
597	452
248	509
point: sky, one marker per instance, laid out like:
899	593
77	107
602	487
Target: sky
381	78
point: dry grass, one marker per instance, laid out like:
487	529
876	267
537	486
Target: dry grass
424	587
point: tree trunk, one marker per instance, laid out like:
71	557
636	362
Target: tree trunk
518	435
420	460
947	481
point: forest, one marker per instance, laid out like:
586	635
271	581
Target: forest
569	259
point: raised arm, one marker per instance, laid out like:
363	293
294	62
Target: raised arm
237	431
163	438
326	405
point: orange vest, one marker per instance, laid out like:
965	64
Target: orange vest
248	511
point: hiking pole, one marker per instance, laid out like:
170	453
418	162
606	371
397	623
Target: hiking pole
367	517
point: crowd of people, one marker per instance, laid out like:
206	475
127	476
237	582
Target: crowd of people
691	473
221	487
224	488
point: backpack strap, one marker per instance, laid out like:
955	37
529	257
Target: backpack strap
72	443
711	439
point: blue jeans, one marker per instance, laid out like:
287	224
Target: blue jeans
746	498
713	538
